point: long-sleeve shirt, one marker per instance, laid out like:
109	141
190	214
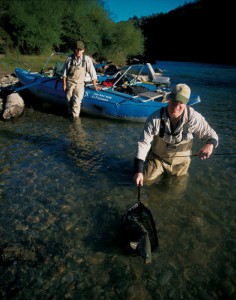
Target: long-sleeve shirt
191	123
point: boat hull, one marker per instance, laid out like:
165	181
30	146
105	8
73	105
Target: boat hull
103	103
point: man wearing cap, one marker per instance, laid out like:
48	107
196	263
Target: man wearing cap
76	67
166	142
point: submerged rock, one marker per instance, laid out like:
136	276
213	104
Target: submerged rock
14	106
137	291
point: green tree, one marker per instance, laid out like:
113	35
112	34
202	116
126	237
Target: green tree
32	26
127	41
104	39
35	26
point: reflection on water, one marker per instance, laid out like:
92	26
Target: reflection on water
64	186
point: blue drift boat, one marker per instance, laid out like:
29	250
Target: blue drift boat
121	97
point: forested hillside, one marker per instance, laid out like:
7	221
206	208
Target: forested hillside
37	26
200	31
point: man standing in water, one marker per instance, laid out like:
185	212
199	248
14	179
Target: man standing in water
76	67
166	142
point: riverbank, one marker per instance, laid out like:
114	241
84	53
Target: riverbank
8	62
8	80
4	73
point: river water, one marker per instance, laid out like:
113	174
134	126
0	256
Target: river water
65	185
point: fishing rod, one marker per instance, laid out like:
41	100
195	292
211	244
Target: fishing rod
230	153
215	154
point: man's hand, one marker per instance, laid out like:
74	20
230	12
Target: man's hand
138	178
206	151
97	87
64	84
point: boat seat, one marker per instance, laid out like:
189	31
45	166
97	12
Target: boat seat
150	95
59	69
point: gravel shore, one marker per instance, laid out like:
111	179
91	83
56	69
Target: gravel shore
8	80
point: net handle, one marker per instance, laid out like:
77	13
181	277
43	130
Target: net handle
139	192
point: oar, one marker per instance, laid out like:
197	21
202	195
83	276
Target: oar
34	84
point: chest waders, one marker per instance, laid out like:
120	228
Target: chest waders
171	158
75	86
76	73
171	153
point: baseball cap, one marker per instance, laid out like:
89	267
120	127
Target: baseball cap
79	45
181	92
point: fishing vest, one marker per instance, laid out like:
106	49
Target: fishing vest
173	148
77	73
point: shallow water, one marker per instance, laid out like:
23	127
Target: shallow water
64	186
